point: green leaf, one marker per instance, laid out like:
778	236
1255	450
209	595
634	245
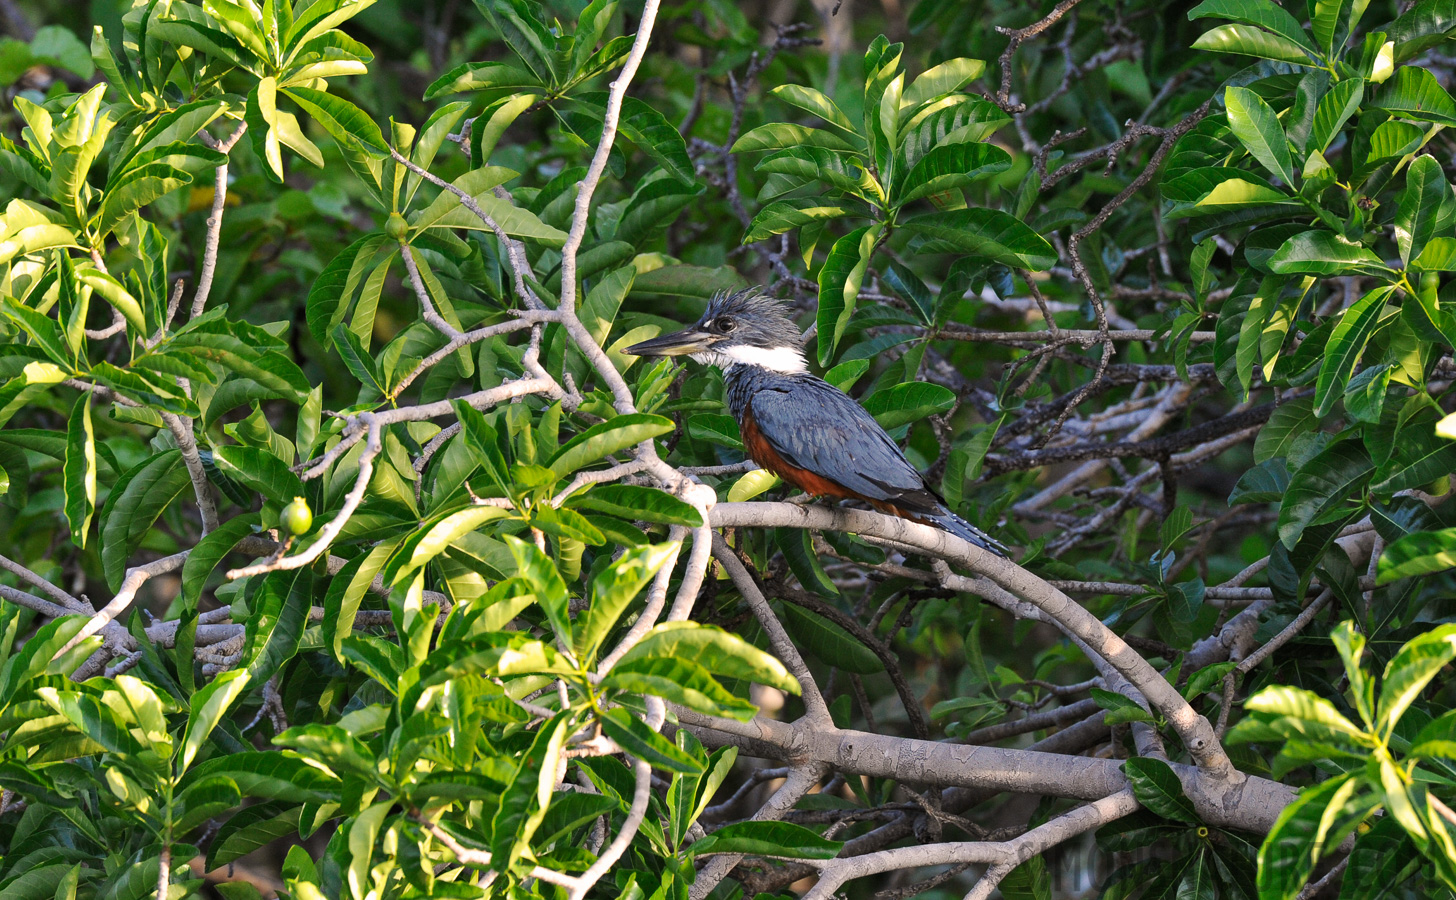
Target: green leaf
136	501
36	655
950	166
235	347
957	119
570	811
1438	256
1266	482
1365	394
681	682
829	643
1213	191
1426	24
1408	673
785	135
111	290
715	428
674	282
47	334
261	114
909	402
1415	94
259	470
781	216
814	103
568	525
614	588
1379	860
491	125
751	484
1324	21
1425	191
1390	141
524	801
545	579
210	551
268	774
206	709
638	503
134	189
1346	345
1262	13
655	204
1031	880
1298	839
346	591
649	129
1334	110
1419	472
839	282
358	360
938	81
1421	553
1258	129
798	548
80	470
520	23
1324	483
612	436
1159	789
1305	708
435	537
315	20
1247	40
1324	253
990	233
333	745
483	76
775	839
714	649
484	444
447	210
632	735
278	614
908	285
251	828
1120	709
327	298
345	122
1289	421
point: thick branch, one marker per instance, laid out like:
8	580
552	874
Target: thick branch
1194	730
1246	802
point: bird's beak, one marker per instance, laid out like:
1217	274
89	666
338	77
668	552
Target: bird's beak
679	343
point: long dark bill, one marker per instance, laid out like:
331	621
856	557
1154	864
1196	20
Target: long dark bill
679	343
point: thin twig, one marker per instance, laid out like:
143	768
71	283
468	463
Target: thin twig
214	218
373	445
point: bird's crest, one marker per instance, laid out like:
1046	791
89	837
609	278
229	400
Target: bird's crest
766	318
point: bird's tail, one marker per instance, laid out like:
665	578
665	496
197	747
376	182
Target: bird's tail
964	530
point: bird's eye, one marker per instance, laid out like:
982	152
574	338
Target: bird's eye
726	324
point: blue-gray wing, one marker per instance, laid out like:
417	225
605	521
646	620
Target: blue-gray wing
814	425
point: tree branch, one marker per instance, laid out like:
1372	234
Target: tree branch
1194	730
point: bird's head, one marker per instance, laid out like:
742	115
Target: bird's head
744	328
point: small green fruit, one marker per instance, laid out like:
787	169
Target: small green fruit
396	227
296	517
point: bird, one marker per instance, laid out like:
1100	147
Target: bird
797	425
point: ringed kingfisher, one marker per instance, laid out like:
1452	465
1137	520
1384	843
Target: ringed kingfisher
797	425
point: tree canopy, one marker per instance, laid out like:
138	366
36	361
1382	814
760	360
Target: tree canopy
345	554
